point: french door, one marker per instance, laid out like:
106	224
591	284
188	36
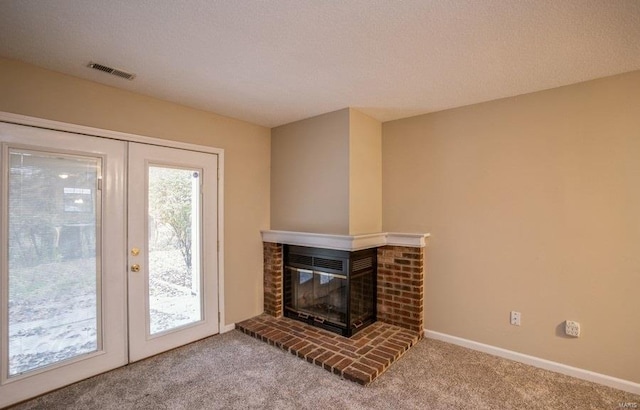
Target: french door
63	305
107	255
173	295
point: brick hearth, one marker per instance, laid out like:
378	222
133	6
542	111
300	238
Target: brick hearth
361	358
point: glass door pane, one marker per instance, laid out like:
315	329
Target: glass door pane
330	297
173	244
53	258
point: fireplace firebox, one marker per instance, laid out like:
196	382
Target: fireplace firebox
331	289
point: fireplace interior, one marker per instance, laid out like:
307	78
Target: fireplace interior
332	289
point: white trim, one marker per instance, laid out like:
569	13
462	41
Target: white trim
583	374
221	309
98	132
415	240
227	328
346	242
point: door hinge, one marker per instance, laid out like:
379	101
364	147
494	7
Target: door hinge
219	317
99	183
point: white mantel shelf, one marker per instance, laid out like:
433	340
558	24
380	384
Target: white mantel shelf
346	242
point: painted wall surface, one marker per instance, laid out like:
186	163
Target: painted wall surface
28	90
533	204
310	175
365	174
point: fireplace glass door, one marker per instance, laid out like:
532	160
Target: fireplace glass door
319	294
329	288
362	303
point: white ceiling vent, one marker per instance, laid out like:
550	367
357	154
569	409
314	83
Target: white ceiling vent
110	70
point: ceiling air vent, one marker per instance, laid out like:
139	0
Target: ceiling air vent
110	70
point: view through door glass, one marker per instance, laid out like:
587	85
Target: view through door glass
173	234
53	258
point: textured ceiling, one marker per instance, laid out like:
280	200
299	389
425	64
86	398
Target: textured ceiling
273	62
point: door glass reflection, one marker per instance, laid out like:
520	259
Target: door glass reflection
174	248
53	258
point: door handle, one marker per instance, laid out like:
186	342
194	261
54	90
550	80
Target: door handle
135	268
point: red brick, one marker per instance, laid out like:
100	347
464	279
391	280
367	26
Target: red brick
346	346
305	350
364	350
319	351
330	362
342	364
379	359
288	344
320	360
385	351
377	366
357	376
372	372
349	354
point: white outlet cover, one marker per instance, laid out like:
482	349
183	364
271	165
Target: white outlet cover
572	328
515	318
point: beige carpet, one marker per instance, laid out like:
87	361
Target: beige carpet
235	371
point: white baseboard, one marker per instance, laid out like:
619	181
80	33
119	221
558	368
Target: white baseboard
227	328
583	374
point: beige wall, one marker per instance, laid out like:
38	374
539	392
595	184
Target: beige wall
28	90
533	204
365	174
326	174
310	175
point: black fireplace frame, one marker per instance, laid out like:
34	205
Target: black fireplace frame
351	265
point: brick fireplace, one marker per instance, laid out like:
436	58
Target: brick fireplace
399	301
326	176
400	284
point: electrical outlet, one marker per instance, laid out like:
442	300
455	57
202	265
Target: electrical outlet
572	328
515	318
